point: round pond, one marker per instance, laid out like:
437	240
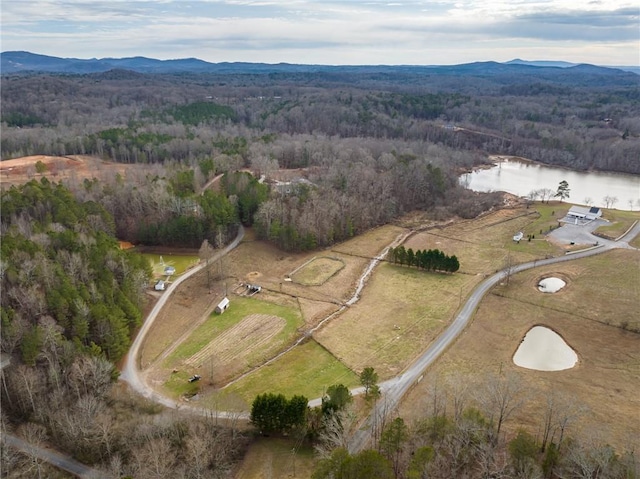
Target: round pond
551	285
544	350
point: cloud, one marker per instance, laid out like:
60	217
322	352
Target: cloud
319	31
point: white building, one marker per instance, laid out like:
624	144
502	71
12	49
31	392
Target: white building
222	306
583	212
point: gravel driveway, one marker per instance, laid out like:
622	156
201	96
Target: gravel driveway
570	233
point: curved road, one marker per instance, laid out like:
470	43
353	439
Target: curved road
57	459
394	389
131	370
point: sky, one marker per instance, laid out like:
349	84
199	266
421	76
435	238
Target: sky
330	32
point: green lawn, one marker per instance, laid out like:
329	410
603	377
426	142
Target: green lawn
158	262
619	222
307	370
238	310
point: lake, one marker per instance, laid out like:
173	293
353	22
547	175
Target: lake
521	177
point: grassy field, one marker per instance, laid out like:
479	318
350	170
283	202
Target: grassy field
318	271
248	342
180	262
619	223
485	245
308	370
607	377
400	312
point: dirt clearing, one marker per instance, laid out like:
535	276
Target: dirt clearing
57	168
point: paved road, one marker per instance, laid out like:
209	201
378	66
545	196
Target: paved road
54	458
131	371
394	389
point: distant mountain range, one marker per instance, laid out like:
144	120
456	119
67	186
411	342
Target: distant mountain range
23	62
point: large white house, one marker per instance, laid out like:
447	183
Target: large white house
583	212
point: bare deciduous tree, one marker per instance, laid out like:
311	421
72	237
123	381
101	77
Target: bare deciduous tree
500	397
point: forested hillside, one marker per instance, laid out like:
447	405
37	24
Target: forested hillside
71	299
580	117
64	276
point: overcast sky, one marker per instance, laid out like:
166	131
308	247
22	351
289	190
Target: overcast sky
432	32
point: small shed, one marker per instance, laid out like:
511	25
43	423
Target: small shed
159	286
518	236
222	306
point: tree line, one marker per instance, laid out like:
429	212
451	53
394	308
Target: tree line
466	429
429	260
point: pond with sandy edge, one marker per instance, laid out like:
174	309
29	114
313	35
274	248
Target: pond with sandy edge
551	285
544	350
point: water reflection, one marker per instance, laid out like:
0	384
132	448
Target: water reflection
521	177
544	350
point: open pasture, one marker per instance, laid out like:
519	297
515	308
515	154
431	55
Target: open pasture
607	377
224	346
317	271
486	244
257	262
308	370
400	312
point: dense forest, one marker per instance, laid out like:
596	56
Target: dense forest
573	119
71	300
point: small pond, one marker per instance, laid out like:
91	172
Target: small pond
544	350
551	285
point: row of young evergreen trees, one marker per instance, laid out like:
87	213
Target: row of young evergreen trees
428	260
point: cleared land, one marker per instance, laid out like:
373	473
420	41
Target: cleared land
180	262
317	271
308	370
224	346
240	341
607	377
56	168
400	312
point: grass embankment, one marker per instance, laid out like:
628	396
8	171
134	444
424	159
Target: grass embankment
619	223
